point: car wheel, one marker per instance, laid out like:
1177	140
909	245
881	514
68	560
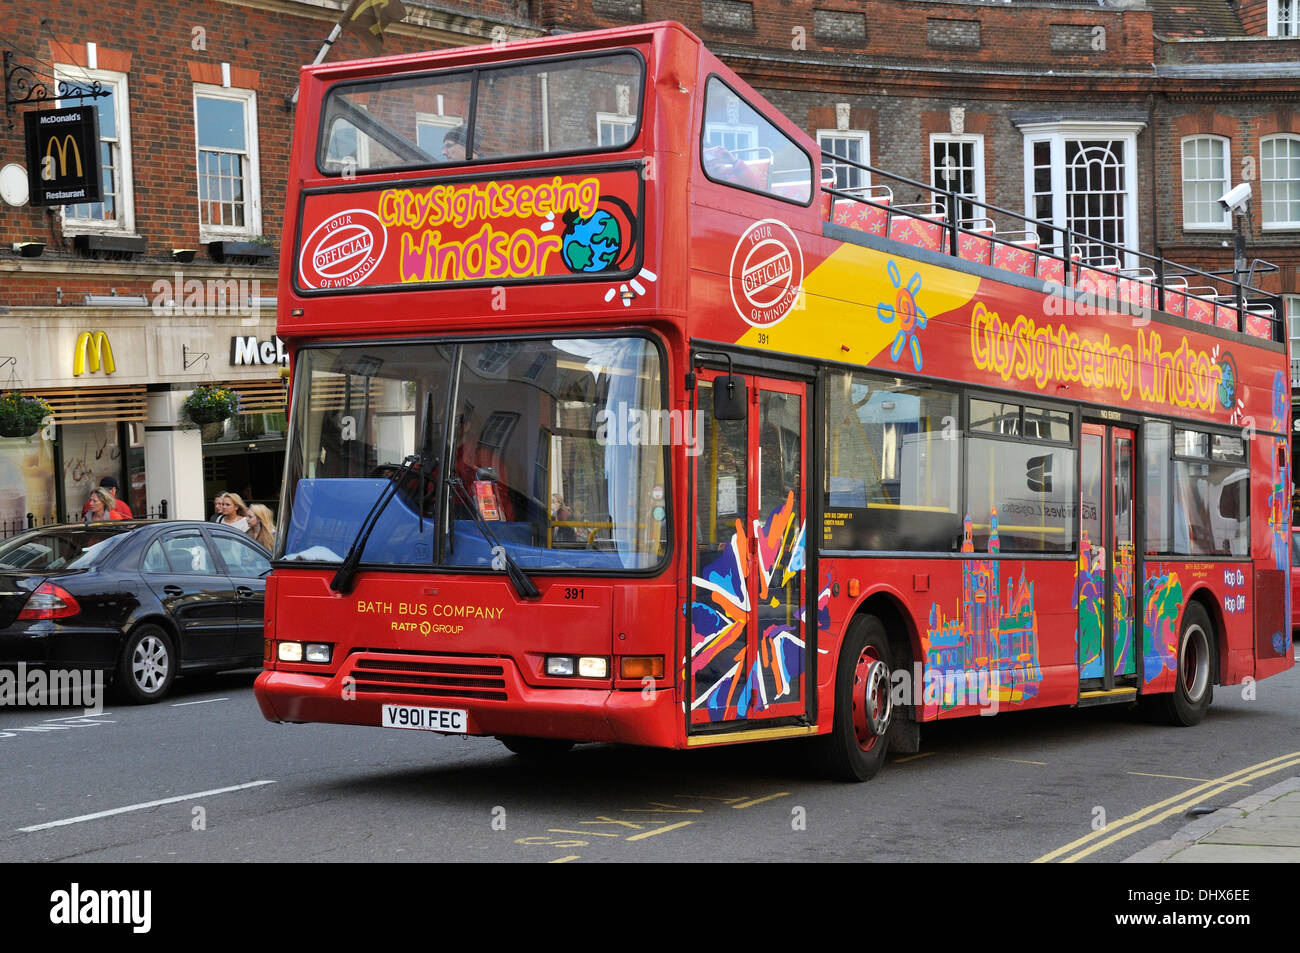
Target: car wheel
856	747
535	749
147	666
1187	704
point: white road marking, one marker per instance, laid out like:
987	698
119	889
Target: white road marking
140	807
201	702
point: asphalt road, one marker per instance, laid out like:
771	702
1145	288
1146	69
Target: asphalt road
202	777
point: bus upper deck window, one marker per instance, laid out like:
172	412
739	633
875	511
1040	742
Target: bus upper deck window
742	148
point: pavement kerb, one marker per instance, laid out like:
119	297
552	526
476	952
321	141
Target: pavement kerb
1204	826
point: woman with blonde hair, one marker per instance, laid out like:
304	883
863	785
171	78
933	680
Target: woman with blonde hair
233	512
100	507
261	525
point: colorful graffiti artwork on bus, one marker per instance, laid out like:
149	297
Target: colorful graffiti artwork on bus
991	640
1162	606
1122	600
911	319
727	684
1089	589
1279	507
1281	400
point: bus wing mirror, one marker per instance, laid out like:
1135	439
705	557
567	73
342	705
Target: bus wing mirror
729	398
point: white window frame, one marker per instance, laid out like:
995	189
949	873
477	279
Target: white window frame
829	165
1289	28
1225	219
1266	224
612	120
1291	303
977	168
1057	133
123	221
252	227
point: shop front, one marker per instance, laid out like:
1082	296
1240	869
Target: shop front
115	381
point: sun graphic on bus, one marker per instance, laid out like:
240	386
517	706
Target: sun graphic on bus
911	318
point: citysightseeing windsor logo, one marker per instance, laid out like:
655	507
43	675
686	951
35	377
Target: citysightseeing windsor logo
766	273
526	229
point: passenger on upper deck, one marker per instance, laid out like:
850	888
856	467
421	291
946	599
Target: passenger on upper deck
453	145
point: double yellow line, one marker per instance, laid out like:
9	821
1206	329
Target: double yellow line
1155	813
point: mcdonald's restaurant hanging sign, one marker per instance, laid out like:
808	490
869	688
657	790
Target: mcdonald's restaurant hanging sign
63	155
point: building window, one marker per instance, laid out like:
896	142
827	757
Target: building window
1083	177
851	145
225	129
1284	17
613	130
115	210
1205	178
957	165
1279	187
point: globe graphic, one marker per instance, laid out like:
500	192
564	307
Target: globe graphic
592	244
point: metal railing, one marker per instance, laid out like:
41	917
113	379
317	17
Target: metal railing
14	527
1074	251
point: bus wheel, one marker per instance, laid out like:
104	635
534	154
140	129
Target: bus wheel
1187	704
856	747
535	749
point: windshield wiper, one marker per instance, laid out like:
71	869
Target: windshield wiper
424	460
518	578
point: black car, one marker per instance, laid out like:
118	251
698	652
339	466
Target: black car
140	599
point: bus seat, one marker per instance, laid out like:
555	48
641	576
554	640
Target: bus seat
1014	253
976	245
920	225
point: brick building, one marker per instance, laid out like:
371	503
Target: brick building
1120	118
170	280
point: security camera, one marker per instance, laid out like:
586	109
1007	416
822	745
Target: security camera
1235	199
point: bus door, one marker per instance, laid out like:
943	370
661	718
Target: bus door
749	644
1104	579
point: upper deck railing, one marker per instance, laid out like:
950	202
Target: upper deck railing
1119	278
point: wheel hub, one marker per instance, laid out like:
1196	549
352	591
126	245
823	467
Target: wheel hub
872	704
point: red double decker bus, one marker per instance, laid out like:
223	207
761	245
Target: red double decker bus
613	419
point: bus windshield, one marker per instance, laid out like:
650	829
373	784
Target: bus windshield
546	437
551	107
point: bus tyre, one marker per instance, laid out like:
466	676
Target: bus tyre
146	667
856	747
535	749
1187	704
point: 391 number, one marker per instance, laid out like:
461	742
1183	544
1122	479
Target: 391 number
572	593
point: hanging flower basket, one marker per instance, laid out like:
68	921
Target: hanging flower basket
208	404
22	415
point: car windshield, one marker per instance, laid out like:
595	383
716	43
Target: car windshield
558	444
67	548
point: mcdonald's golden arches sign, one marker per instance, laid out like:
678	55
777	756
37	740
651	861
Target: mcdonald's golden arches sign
63	155
91	353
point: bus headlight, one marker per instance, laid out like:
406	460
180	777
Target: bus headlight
317	652
584	666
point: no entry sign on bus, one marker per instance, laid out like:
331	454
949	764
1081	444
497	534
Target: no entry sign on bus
569	226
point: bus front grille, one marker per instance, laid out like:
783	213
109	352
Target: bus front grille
430	679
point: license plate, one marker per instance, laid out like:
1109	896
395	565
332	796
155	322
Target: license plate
450	720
